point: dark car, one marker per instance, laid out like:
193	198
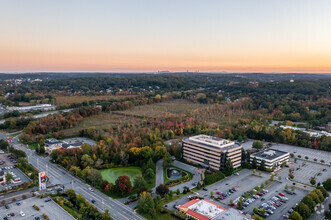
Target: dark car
36	218
7	206
48	200
93	201
205	189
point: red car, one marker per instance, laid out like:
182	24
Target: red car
281	194
259	194
234	189
218	193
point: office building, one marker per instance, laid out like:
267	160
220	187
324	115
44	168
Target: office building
211	152
273	158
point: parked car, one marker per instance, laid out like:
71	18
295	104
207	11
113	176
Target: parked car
234	189
259	194
48	200
22	213
281	194
205	189
7	206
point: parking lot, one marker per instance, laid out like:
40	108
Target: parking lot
9	166
6	161
80	139
245	182
304	171
51	209
310	153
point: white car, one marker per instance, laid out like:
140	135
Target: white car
22	213
91	189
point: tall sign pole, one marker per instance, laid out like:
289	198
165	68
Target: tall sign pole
42	180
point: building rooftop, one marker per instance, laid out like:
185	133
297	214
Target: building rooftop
52	141
207	210
72	145
213	142
270	154
232	214
202	209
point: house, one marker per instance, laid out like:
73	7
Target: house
52	144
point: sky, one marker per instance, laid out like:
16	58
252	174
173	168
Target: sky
173	35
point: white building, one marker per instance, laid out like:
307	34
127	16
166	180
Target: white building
272	158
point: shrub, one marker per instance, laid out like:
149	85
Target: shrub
36	207
45	216
213	178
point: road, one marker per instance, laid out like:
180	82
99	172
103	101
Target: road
44	114
159	174
58	175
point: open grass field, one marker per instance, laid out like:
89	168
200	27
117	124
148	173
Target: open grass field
176	107
67	100
112	174
102	121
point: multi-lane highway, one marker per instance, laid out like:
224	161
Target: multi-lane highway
58	175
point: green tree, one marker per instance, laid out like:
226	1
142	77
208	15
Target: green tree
260	173
303	210
87	160
212	193
262	211
254	163
162	190
315	197
272	178
254	171
257	217
149	174
240	204
145	202
312	181
327	184
166	197
94	176
177	192
139	182
150	164
262	165
167	160
9	177
308	200
279	178
255	210
258	144
295	216
228	169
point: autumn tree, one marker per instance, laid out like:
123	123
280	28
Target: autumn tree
123	184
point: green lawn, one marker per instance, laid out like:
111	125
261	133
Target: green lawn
112	174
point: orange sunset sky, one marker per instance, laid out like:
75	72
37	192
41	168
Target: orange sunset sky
147	36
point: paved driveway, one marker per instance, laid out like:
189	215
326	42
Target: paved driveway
196	176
